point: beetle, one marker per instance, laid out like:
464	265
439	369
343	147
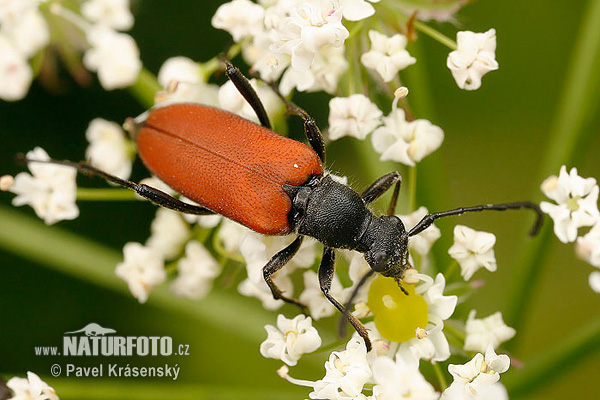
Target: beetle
273	185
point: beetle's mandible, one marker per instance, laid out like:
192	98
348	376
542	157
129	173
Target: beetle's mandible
273	185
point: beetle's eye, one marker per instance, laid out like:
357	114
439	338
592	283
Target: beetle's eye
379	261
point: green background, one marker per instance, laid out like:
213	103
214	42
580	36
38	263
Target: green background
496	142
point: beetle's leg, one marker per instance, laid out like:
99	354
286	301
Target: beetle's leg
380	186
156	196
275	264
326	271
429	218
243	86
312	131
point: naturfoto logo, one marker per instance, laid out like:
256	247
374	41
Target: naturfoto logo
96	340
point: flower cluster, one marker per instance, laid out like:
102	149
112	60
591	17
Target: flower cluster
25	27
31	388
302	45
23	32
576	207
389	376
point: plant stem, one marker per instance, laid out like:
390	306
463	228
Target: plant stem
211	66
144	89
412	184
435	34
556	360
90	194
577	105
450	270
440	376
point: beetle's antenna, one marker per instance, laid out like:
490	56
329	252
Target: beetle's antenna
428	219
363	280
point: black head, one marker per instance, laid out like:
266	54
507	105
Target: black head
388	252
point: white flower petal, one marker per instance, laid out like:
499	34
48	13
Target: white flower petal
290	340
50	190
108	149
594	281
473	58
353	116
142	269
473	250
196	272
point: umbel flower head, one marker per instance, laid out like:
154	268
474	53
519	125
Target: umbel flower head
388	55
473	250
576	203
32	388
290	339
50	189
475	56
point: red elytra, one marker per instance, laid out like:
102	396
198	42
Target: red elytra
225	163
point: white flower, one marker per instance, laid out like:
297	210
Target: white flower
355	116
114	56
594	281
475	56
388	55
422	242
588	246
494	391
189	84
169	233
439	306
261	291
487	331
240	18
181	69
431	343
12	11
28	30
324	73
346	373
400	380
381	346
406	142
230	234
473	378
108	149
15	72
32	388
50	190
315	300
290	340
111	13
432	347
267	64
309	28
142	269
357	268
473	250
258	249
196	272
231	100
356	10
6	182
577	200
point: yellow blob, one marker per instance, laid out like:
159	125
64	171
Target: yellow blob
397	315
